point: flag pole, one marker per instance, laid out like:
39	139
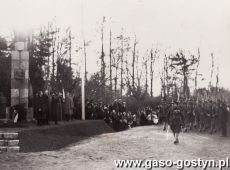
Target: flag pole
83	69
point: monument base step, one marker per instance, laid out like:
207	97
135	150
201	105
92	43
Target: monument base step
14	149
12	143
3	142
3	149
8	135
9	142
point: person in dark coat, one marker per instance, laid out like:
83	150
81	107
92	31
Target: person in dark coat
2	105
39	108
176	120
223	119
46	105
143	120
57	107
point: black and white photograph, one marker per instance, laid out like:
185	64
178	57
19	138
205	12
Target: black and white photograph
114	84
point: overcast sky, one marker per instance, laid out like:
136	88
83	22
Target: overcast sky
168	24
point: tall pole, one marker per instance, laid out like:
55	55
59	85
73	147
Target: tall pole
83	69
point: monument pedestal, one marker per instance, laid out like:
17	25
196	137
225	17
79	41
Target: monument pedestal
20	73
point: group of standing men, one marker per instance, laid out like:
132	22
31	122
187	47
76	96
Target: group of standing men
53	107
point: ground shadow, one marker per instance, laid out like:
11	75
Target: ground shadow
54	138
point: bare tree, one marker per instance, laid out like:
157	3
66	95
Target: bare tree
102	54
122	61
152	61
115	63
110	61
124	47
196	74
70	48
182	65
145	64
133	63
212	69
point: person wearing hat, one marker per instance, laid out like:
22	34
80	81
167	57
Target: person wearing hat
176	120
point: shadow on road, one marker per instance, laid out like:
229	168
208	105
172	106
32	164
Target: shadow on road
54	138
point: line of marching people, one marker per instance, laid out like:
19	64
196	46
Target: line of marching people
202	116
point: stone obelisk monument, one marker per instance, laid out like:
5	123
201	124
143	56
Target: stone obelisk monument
20	71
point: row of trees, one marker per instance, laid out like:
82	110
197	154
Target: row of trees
124	72
50	59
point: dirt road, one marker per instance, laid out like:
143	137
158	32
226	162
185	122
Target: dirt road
99	152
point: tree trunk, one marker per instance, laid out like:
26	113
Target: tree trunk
110	64
122	61
151	73
70	49
115	81
197	72
133	64
146	75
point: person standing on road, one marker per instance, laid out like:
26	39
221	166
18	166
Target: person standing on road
176	120
223	119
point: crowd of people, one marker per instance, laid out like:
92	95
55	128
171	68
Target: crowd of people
119	117
202	116
148	115
56	107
